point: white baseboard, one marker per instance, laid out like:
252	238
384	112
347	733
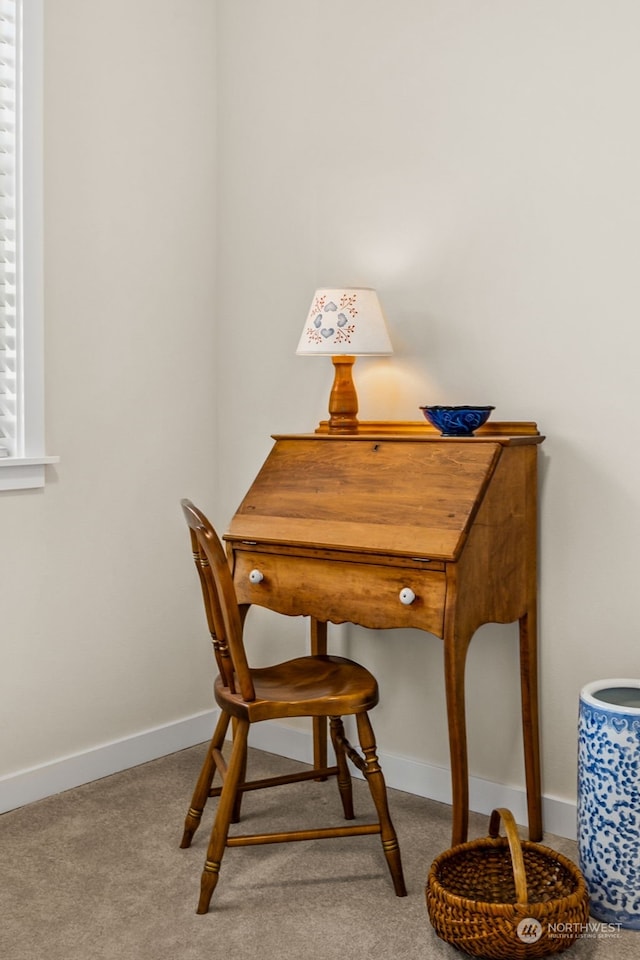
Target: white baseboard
26	786
402	773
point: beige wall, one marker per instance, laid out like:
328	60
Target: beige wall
477	164
100	636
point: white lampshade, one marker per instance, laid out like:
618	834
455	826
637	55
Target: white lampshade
347	322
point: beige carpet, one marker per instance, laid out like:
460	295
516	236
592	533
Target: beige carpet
96	873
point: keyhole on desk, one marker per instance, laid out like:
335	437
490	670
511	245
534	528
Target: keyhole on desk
376	447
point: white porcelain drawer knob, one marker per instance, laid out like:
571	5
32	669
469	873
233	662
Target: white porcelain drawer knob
407	596
256	576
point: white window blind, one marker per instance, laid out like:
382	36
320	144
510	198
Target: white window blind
22	457
11	439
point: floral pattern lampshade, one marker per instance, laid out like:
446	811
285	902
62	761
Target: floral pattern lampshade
345	322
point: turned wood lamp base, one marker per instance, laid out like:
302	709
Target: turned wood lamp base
343	401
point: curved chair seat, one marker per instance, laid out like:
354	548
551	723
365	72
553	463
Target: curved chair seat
321	686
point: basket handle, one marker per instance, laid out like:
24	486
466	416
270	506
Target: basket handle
515	847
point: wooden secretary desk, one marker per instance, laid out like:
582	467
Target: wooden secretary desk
397	526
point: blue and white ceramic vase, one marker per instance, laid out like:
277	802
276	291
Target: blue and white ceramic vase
609	799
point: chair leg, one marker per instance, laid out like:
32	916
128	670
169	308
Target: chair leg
235	815
378	789
344	777
220	831
203	786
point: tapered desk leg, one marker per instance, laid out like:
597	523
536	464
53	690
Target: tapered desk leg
319	648
455	654
530	732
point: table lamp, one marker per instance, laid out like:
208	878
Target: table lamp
344	324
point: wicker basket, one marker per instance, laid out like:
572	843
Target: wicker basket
506	898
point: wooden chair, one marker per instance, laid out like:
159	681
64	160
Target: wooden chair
310	686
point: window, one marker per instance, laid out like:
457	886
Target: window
22	457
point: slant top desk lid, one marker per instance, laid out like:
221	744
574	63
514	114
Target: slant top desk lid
390	494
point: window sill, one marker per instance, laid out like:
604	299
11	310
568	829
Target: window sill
23	473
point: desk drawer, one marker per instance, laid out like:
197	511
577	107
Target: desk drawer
340	590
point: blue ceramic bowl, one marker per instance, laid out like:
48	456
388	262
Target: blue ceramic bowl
457	421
